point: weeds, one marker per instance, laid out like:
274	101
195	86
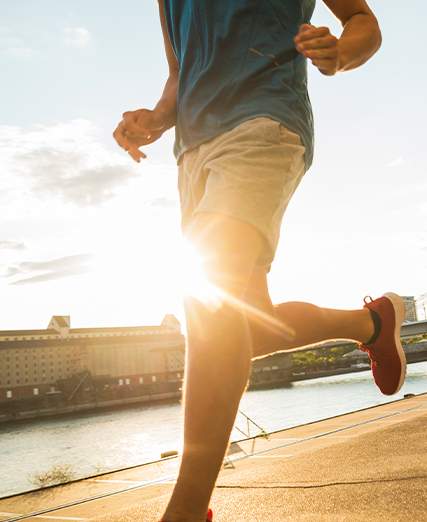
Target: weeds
57	475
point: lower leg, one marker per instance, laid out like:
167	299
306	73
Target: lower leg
309	324
217	371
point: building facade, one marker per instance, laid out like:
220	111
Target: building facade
411	308
64	360
422	307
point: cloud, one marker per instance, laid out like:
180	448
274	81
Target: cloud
56	175
11	245
76	36
50	270
162	202
14	47
64	162
396	162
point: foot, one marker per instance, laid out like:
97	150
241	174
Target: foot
388	362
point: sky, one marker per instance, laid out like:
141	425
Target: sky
86	232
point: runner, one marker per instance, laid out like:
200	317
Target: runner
237	96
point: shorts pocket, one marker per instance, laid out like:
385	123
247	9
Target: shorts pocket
271	131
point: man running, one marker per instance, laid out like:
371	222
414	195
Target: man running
237	95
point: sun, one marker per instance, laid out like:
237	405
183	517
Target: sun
194	280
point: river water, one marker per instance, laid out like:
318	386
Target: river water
104	441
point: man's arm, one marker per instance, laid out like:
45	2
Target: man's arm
360	39
142	127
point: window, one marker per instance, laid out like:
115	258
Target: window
120	382
9	394
35	391
127	381
153	378
141	380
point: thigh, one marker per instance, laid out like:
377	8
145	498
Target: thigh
227	248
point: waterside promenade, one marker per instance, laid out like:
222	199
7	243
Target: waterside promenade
369	465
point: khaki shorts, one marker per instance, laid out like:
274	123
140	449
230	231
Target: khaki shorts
248	173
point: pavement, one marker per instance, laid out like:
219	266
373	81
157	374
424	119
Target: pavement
369	465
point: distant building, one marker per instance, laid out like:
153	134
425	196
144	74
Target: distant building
422	307
36	362
411	308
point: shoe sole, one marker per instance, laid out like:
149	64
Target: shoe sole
399	312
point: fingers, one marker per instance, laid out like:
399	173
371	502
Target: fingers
134	126
320	46
139	128
136	154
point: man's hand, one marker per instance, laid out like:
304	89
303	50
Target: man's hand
139	128
320	46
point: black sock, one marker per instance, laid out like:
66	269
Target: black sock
377	326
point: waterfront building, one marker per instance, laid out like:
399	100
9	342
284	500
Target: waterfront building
422	307
411	308
61	359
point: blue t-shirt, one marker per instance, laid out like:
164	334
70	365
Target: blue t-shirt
238	61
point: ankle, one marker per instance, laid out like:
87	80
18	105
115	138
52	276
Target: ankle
368	329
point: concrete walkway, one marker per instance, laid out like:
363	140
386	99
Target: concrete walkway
369	465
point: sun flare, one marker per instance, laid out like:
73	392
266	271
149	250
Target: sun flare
194	280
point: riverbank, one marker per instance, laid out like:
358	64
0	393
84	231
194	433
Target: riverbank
411	358
91	407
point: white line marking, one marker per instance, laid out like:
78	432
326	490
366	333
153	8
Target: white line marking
116	481
39	516
270	456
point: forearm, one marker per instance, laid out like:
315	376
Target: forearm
359	41
168	101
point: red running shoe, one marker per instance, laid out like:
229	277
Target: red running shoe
388	362
209	516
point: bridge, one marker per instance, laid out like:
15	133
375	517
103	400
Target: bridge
416	328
